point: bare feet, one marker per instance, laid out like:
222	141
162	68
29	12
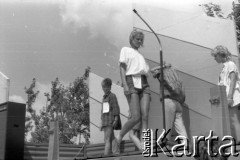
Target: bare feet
118	140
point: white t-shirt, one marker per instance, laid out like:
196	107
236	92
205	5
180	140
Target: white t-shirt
224	80
135	62
136	65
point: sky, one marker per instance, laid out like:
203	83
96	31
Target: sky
45	39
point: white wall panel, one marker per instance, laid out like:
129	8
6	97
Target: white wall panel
195	27
4	88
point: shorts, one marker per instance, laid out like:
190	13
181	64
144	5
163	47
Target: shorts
144	90
145	86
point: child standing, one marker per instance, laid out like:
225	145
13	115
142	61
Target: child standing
110	115
134	71
230	78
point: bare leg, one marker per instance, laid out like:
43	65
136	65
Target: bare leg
235	123
115	148
108	131
133	135
135	117
145	105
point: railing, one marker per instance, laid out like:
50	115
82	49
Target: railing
220	111
33	151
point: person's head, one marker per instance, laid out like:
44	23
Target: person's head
203	149
136	39
106	85
170	75
221	54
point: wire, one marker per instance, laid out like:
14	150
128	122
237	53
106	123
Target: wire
79	151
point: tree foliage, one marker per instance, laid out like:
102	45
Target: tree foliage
214	10
69	105
31	96
236	14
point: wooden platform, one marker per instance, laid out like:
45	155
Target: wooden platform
94	152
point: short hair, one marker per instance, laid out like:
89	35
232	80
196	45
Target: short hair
222	51
107	82
133	34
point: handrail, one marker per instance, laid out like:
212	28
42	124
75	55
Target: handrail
83	146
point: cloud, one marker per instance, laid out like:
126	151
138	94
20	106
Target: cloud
109	18
32	1
16	98
113	19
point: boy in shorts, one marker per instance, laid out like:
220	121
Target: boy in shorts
110	115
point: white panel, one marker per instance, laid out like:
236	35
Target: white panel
186	57
4	88
96	136
197	92
195	27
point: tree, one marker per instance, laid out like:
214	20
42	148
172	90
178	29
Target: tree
78	111
70	106
31	96
236	15
214	10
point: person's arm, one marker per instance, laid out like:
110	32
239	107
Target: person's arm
123	77
115	109
115	122
114	105
115	119
233	79
154	69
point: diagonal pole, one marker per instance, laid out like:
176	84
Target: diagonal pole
161	69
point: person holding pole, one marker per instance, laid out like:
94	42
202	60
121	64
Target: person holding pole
174	98
134	71
229	77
